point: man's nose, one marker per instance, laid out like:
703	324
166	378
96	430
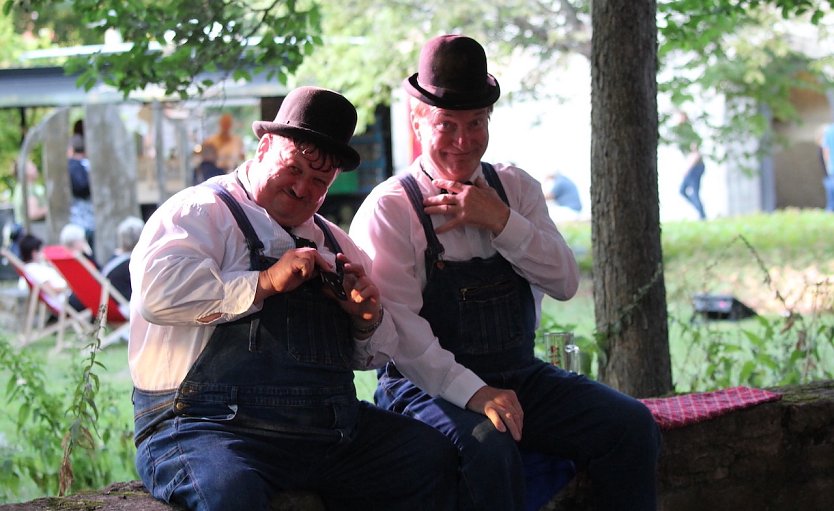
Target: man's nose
300	188
463	139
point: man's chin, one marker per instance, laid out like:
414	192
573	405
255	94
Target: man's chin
289	217
462	171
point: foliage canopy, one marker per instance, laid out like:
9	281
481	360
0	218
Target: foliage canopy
744	51
174	43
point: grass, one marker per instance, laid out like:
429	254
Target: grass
49	411
781	264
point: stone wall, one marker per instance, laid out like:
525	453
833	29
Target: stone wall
777	456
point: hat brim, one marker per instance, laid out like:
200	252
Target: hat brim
349	156
454	101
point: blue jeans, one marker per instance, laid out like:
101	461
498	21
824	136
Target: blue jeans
691	188
828	184
386	462
611	435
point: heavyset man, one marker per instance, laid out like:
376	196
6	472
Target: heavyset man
249	314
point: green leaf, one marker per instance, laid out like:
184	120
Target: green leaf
746	370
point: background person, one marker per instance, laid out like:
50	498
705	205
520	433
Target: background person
117	268
827	145
36	203
74	238
207	168
81	206
563	195
229	146
690	143
241	353
462	268
40	271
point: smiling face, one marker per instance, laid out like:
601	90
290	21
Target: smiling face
453	141
290	179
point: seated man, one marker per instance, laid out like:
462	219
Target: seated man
74	237
117	268
462	253
249	315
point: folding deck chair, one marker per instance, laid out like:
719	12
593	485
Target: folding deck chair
92	289
39	303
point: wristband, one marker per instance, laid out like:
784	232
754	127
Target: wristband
372	327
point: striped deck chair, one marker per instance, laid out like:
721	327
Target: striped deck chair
93	290
39	304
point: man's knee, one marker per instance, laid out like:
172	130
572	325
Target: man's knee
435	450
642	428
237	489
491	447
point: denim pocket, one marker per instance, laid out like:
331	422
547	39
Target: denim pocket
318	331
160	465
490	318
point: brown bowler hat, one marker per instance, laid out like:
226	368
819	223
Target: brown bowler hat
452	74
317	115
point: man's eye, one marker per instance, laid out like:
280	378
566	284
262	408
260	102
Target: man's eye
444	127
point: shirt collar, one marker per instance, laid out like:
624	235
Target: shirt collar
424	175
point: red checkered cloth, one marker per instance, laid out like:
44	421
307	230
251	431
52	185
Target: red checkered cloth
674	412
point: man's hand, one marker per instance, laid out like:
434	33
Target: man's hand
477	204
294	268
502	408
363	296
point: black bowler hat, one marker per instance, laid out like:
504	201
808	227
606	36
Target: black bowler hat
452	74
320	116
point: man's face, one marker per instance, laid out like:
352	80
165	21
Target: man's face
453	140
288	181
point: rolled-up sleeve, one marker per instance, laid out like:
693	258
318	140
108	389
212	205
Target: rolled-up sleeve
177	274
531	242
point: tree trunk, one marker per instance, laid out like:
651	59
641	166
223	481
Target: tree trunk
629	292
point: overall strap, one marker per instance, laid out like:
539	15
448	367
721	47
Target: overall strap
329	240
492	179
256	247
434	249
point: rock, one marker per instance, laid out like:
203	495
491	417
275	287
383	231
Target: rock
777	456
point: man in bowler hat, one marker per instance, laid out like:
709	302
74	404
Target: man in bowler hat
249	315
463	251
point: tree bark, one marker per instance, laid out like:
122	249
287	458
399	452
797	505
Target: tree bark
629	291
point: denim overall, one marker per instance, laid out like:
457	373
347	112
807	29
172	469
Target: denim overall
484	312
280	380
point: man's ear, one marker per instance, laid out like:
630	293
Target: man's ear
263	146
415	126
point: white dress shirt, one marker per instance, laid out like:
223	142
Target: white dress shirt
389	230
192	261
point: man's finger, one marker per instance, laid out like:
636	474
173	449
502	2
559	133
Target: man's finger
493	416
514	424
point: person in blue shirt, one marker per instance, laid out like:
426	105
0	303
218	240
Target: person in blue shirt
564	193
827	144
562	196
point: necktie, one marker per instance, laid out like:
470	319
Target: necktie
332	280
